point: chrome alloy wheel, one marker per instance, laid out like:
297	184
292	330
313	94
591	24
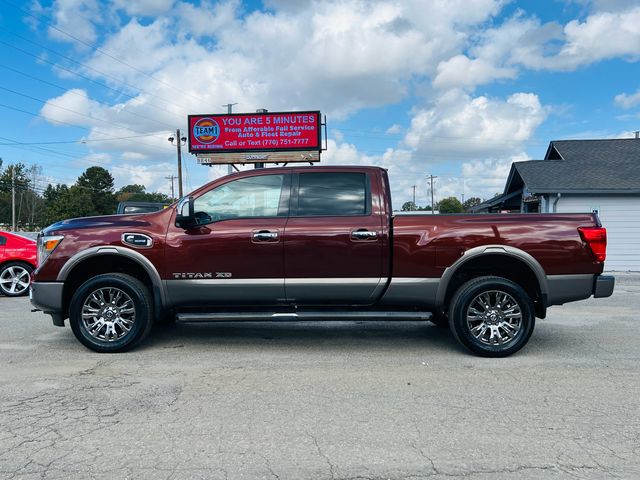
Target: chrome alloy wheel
494	318
14	280
108	314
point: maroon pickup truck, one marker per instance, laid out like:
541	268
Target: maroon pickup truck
314	243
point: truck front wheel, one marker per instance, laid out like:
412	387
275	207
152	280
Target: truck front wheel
111	312
492	316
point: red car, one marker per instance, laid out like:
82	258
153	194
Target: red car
17	261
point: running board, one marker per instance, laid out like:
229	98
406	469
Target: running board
298	316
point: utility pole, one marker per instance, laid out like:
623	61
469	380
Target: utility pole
433	207
179	142
414	198
178	145
171	177
13	198
464	188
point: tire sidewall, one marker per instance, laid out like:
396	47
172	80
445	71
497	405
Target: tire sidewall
464	297
141	300
27	267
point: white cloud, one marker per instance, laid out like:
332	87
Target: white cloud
625	134
519	41
490	175
140	48
627	101
76	17
601	36
338	56
144	7
460	127
152	177
524	42
342	57
609	5
461	71
134	156
73	107
394	129
100	159
206	19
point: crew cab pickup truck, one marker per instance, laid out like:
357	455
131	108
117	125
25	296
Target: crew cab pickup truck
314	243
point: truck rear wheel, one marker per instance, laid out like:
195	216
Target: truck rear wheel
492	316
111	312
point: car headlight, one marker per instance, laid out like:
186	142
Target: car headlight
46	245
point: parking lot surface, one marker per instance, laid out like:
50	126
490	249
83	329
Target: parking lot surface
334	400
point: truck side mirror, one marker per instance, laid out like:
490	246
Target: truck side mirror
185	217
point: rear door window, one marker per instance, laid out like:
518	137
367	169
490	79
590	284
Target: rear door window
333	194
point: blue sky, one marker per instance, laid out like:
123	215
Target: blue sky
456	88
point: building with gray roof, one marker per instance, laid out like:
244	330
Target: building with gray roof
600	176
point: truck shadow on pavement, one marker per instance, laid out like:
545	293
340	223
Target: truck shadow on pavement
350	335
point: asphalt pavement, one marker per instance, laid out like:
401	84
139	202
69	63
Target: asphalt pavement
332	400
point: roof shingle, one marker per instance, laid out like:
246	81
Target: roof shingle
594	165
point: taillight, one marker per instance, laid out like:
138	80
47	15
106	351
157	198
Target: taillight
596	238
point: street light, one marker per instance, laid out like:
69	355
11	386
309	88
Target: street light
178	145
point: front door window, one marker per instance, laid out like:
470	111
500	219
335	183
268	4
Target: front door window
254	197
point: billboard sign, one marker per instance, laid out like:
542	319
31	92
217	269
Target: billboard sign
251	132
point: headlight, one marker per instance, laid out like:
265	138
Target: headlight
46	245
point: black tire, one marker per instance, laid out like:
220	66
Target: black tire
508	307
15	278
100	294
439	319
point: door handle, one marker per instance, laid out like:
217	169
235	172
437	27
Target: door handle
264	236
363	235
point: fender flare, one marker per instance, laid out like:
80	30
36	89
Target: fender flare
483	250
144	262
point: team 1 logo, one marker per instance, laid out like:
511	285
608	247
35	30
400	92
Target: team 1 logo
206	130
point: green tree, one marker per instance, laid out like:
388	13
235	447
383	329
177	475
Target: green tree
70	203
155	197
137	193
51	193
471	202
28	203
450	205
99	183
409	207
21	180
126	193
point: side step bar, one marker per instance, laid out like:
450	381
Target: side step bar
298	316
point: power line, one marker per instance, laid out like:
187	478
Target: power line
97	49
84	65
45	102
48	150
70	124
78	94
85	140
